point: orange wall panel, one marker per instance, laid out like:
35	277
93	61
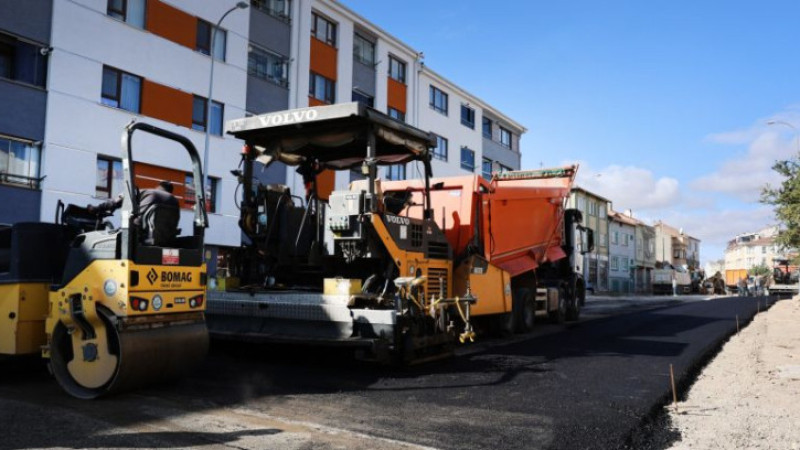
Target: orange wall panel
396	95
168	104
313	101
171	23
323	59
147	176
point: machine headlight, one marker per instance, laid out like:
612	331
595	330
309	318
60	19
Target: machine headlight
157	302
110	288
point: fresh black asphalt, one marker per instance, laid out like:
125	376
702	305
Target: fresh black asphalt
594	384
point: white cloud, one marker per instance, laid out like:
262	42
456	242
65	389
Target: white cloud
743	174
630	187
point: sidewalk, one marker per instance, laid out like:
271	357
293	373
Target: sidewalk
749	394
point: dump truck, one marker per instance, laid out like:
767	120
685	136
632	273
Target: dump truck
393	269
732	277
110	309
663	276
516	247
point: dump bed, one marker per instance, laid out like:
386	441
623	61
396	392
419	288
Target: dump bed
515	220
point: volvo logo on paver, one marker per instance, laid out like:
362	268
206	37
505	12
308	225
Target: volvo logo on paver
152	276
398	220
288	117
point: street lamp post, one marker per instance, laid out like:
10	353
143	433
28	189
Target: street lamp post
787	124
240	5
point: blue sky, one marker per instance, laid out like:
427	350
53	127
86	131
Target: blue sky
663	103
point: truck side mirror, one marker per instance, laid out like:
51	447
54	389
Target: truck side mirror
589	241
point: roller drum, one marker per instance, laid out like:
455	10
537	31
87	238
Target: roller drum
145	354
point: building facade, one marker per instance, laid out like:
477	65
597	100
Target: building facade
676	247
595	216
24	56
645	260
79	70
748	250
622	252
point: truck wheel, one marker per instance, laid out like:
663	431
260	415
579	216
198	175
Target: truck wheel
560	314
511	322
574	308
528	309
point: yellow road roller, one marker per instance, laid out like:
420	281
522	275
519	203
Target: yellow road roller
111	308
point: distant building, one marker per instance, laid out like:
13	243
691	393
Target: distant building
595	216
752	249
622	252
645	260
676	247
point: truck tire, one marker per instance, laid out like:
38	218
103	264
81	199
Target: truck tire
560	314
511	322
528	309
574	307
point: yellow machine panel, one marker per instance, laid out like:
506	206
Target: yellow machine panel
342	286
23	309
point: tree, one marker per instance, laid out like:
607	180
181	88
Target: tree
786	200
760	269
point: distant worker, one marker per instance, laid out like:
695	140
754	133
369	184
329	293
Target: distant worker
150	200
674	285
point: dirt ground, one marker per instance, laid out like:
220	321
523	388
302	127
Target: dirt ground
748	397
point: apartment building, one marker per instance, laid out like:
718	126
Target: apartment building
748	250
676	247
80	70
595	216
622	252
24	55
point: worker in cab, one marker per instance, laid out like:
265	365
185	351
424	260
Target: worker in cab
159	212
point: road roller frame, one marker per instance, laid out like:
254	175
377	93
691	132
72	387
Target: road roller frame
109	311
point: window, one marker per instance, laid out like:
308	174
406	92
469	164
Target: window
763	250
323	29
592	208
365	99
322	88
486	168
199	106
109	177
467	159
505	138
19	162
396	172
438	100
211	192
121	90
467	116
615	237
625	240
603	239
130	11
267	66
204	37
22	61
275	8
624	264
440	151
614	263
363	50
601	210
397	114
397	69
487	128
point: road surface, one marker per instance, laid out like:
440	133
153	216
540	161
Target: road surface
592	384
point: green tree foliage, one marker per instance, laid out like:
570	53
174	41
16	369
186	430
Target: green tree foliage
786	200
760	269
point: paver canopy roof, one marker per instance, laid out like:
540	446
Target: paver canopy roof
336	136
